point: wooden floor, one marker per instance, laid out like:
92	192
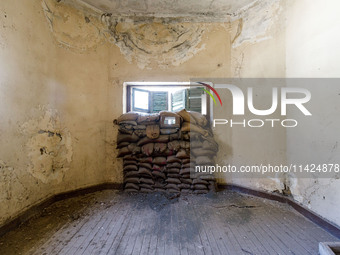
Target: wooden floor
111	222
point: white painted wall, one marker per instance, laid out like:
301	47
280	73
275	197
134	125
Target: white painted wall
312	50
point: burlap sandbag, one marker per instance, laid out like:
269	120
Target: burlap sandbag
121	145
158	174
189	165
146	165
147	149
199	181
212	146
125	129
140	127
127	117
200	119
159	185
131	174
160	139
186	191
147	181
160	148
174	145
130	168
174	165
186	176
186	127
176	191
129	162
145	160
202	152
172	170
159	160
146	186
196	144
173	180
184	186
144	171
157	167
173	159
186	116
186	180
200	187
147	119
185	145
131	186
145	190
140	133
175	136
172	186
204	160
127	138
132	180
123	151
208	177
160	190
188	160
128	123
182	154
168	131
131	190
186	171
174	175
152	131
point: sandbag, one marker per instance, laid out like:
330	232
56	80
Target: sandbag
186	127
146	186
173	159
145	160
132	180
158	174
173	180
131	186
145	190
147	149
152	131
159	185
129	162
200	191
184	186
128	123
199	181
160	147
174	145
144	171
131	190
131	174
182	154
140	133
159	160
140	127
127	138
146	165
127	117
186	171
186	116
202	152
200	187
125	129
172	186
186	180
160	139
121	145
123	152
130	168
168	131
172	170
173	165
203	160
147	181
147	118
200	119
170	175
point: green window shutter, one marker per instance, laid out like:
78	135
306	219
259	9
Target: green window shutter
159	101
178	100
194	99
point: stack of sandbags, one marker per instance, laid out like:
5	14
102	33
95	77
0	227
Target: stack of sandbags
160	151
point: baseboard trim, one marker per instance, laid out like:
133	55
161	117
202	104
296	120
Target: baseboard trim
37	209
317	219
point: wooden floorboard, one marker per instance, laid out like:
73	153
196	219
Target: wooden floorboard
111	222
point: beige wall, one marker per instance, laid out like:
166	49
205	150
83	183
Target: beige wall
312	51
61	86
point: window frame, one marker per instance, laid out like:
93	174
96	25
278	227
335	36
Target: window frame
128	100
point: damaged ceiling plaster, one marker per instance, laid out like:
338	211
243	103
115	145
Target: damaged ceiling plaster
155	31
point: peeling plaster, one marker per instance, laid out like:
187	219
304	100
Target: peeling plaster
154	40
72	28
255	20
49	147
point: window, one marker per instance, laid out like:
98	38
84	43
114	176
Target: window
156	97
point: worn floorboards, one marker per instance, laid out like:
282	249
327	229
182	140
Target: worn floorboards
112	222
